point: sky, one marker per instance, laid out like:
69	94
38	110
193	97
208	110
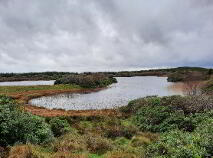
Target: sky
104	35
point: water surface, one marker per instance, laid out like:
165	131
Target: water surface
27	83
119	94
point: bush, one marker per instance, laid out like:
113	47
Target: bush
188	104
71	142
185	144
98	144
115	128
177	144
59	126
166	118
87	81
157	119
205	130
17	126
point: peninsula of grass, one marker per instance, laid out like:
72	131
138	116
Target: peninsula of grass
24	93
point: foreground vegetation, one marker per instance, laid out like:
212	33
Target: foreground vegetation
179	127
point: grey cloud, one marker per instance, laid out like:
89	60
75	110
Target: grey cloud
100	35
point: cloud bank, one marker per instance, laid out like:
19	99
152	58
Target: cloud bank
104	35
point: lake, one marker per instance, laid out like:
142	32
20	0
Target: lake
116	95
27	83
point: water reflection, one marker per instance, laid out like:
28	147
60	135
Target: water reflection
119	94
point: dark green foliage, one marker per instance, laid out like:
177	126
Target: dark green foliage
87	81
185	125
59	126
17	126
205	130
32	76
187	105
164	114
177	144
180	144
158	119
210	72
134	105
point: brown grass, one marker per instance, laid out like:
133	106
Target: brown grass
23	97
21	151
40	111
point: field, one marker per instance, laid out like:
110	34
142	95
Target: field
150	127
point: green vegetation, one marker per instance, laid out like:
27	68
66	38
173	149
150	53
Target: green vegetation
59	126
87	81
189	74
174	74
208	88
185	129
21	89
19	127
32	76
151	127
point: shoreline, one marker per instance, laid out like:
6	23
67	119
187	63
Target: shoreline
24	98
45	112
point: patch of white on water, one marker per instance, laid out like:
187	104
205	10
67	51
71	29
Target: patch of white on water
27	83
117	95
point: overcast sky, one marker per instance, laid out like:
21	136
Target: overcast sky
104	35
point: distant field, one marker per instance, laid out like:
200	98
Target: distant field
177	73
21	89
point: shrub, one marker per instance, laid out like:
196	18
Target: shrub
165	118
185	144
17	126
153	119
71	142
177	144
59	126
87	81
134	105
98	144
114	128
205	130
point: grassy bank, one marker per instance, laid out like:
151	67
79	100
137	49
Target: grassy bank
24	93
148	127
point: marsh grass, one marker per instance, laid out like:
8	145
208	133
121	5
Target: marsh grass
20	89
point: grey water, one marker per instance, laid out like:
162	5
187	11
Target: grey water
27	83
116	95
